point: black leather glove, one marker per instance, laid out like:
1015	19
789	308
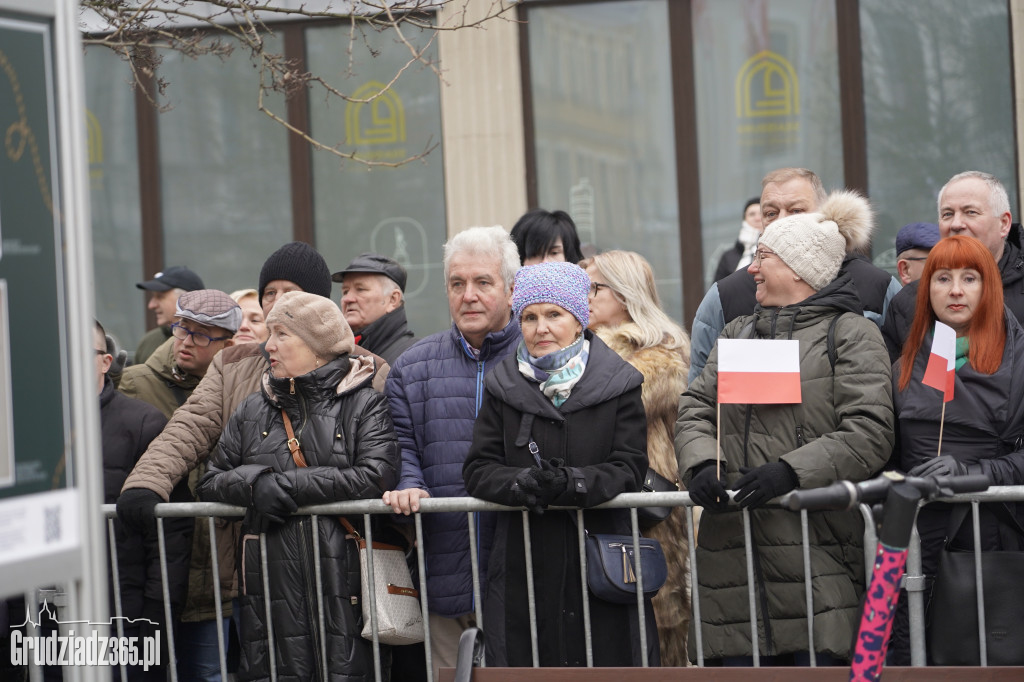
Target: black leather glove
136	509
707	490
270	502
759	484
943	465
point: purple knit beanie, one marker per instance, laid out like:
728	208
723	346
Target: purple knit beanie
564	284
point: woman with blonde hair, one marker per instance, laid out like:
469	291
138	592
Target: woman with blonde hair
253	328
625	312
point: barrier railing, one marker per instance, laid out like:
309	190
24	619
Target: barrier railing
470	506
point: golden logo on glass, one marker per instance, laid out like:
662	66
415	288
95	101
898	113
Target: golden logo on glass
95	144
767	100
378	121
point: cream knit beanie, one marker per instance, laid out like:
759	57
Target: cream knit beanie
814	245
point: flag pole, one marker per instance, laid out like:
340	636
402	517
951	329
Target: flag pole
718	441
942	422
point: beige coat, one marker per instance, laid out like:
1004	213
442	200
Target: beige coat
664	373
187	441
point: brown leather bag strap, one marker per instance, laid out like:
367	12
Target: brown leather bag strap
293	442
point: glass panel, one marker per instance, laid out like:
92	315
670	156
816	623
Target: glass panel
399	212
602	105
224	172
768	81
114	196
935	104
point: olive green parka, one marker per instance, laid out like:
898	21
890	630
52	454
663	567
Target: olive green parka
842	429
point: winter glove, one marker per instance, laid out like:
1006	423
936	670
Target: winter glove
757	485
270	502
943	465
537	487
136	509
707	490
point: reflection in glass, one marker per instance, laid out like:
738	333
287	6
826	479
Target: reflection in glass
114	196
600	76
767	97
935	105
224	172
399	212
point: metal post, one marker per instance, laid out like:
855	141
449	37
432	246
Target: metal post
372	590
319	579
421	563
588	639
531	593
751	588
640	610
165	591
217	602
914	582
271	653
808	591
979	582
694	591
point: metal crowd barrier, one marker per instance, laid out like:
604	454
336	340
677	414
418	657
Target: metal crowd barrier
914	581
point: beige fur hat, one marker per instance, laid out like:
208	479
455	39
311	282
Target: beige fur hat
814	245
316	320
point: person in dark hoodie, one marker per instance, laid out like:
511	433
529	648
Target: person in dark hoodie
562	423
972	203
841	430
127	426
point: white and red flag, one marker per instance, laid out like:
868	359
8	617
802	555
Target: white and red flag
940	373
758	371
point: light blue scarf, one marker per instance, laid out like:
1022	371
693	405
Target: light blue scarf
556	372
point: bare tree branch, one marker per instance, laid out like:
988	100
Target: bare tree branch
143	31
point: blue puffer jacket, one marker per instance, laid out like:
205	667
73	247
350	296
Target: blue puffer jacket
434	390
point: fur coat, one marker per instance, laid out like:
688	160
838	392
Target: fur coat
664	372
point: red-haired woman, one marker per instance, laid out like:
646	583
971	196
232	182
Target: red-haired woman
984	425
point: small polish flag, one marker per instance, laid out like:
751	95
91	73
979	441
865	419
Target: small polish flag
940	372
758	371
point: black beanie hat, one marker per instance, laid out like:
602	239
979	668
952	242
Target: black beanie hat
301	264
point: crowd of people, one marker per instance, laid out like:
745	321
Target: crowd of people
559	383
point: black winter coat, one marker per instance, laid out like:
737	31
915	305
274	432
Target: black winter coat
388	336
601	434
127	426
349	443
900	315
983	428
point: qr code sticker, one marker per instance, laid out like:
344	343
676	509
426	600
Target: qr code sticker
51	524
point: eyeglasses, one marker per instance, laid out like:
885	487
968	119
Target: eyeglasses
760	255
198	338
595	288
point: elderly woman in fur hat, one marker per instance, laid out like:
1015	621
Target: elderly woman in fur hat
347	450
562	423
842	429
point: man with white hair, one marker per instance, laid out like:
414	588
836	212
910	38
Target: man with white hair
435	389
372	301
972	203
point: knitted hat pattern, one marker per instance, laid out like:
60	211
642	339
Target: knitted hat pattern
300	264
316	320
211	307
814	245
563	284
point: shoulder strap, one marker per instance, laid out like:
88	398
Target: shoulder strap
293	442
